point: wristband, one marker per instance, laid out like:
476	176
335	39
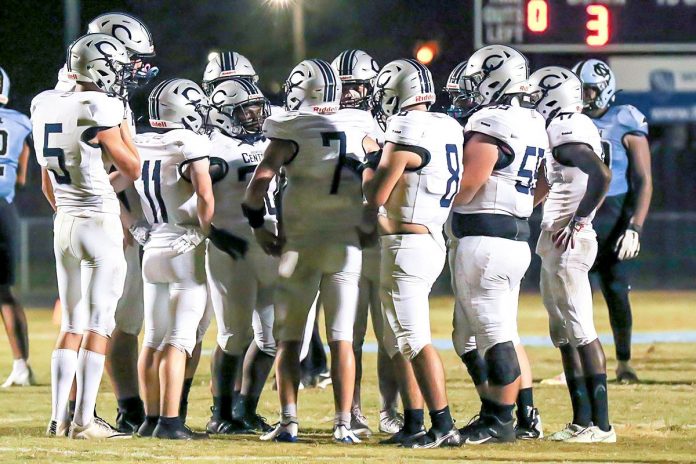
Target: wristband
635	227
254	216
581	220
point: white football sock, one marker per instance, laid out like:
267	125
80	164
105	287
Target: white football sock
90	367
288	413
19	365
63	366
342	418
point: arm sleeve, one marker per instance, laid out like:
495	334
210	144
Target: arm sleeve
633	120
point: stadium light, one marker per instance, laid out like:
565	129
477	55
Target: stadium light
298	25
426	52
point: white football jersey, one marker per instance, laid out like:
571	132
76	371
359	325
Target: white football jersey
234	162
424	196
324	193
510	189
63	123
167	199
567	184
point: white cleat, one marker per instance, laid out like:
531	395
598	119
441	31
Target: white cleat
343	434
20	378
324	379
568	432
97	429
390	421
58	429
593	434
286	433
358	424
560	379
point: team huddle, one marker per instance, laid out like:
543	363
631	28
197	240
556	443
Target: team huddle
355	195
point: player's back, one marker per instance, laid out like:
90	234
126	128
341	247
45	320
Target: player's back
14	130
167	198
233	162
424	195
63	125
567	184
613	126
521	132
324	191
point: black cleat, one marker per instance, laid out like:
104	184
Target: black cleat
254	423
218	426
177	432
147	428
533	431
403	438
129	421
436	439
487	429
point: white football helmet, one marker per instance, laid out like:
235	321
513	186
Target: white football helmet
4	87
555	90
493	71
598	76
357	71
313	85
101	59
238	107
178	104
455	89
136	37
399	84
129	30
226	65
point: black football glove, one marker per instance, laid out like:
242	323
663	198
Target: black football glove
234	246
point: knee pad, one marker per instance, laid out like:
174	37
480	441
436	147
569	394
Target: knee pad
503	366
558	331
476	367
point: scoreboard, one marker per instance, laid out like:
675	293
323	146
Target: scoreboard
572	26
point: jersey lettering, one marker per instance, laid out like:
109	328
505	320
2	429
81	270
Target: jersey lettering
527	187
62	177
326	138
452	183
161	210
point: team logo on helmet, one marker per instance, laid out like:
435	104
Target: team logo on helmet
551	81
493	62
601	70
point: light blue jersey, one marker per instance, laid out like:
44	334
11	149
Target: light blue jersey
613	126
14	129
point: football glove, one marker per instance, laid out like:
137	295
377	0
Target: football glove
628	244
140	233
234	246
188	241
566	236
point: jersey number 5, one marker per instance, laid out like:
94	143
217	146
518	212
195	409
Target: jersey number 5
60	172
529	174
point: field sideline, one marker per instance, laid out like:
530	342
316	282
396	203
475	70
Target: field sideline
655	420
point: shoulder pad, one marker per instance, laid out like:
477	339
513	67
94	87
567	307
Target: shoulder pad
571	128
193	146
107	111
280	126
493	121
632	119
402	129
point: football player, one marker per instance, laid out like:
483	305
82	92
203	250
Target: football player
528	425
320	148
358	71
505	139
224	66
74	130
413	186
177	197
575	178
122	355
620	219
241	283
15	134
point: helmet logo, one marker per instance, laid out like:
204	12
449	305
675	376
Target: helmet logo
116	27
493	62
602	70
550	82
101	45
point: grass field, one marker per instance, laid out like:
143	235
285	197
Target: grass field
655	420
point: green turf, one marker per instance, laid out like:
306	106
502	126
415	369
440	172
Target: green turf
655	420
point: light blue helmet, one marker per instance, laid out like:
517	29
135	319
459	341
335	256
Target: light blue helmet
4	87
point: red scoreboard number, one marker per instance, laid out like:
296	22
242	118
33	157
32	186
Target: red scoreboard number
597	25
